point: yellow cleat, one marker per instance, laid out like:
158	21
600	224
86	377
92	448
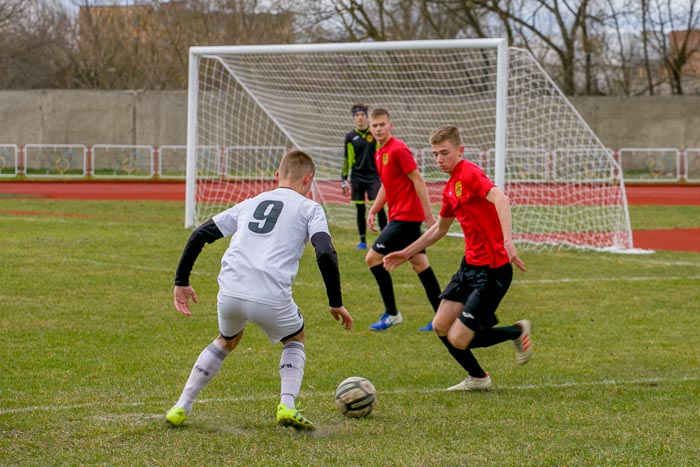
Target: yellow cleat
176	416
292	417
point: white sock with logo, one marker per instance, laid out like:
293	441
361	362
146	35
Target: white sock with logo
292	364
205	368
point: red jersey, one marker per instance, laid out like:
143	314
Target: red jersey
464	198
394	161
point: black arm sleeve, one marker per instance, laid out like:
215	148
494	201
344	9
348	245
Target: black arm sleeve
208	232
327	261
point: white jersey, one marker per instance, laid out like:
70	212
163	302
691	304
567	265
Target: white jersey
271	231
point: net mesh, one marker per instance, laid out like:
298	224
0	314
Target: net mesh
564	185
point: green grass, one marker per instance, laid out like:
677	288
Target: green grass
92	354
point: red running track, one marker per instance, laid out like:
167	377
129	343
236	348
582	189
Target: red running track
667	239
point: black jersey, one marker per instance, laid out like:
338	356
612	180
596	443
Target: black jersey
360	147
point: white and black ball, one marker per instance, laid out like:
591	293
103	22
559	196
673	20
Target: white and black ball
355	397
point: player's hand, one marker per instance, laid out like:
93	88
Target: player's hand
513	256
340	313
182	295
393	260
345	188
370	221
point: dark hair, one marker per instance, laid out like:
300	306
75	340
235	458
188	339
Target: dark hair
359	107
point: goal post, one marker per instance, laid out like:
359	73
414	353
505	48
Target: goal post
247	105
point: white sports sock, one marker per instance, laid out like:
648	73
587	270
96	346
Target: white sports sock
292	364
205	368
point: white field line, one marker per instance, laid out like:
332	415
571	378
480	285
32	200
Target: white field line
642	260
314	394
564	280
561	280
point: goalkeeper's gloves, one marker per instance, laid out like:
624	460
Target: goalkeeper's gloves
345	187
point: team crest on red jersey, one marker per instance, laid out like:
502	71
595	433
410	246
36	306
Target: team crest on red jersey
458	189
385	158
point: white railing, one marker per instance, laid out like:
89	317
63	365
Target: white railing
9	160
55	161
122	161
650	164
169	162
692	165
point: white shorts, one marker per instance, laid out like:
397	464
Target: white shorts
277	321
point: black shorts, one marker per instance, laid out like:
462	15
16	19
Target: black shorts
396	236
480	289
358	190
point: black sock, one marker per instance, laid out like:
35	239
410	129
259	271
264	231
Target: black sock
361	224
493	336
386	288
431	286
465	358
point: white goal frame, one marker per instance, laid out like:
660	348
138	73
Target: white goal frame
525	114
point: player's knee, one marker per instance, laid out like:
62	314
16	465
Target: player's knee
440	327
420	263
457	341
460	336
373	258
229	343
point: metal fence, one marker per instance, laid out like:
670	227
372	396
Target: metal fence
169	162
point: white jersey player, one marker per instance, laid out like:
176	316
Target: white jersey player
268	233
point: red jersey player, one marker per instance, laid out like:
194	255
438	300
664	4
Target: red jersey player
404	191
466	318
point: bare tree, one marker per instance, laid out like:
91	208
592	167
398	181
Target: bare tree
145	45
380	20
542	26
645	41
31	40
673	23
465	18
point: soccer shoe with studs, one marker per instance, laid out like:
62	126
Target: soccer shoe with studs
386	321
176	416
523	344
361	246
473	384
427	328
292	417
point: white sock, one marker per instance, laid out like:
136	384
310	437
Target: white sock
292	364
205	368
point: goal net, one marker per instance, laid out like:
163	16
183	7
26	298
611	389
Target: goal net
247	105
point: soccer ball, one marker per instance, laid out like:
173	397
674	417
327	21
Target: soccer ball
355	397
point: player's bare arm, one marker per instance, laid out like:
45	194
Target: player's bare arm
502	203
422	191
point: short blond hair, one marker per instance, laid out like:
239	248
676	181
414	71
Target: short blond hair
378	112
295	165
449	133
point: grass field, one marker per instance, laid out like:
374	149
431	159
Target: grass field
92	354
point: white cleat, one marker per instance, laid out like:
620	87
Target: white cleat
473	384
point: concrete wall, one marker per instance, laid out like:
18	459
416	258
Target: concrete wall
643	122
93	117
160	117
